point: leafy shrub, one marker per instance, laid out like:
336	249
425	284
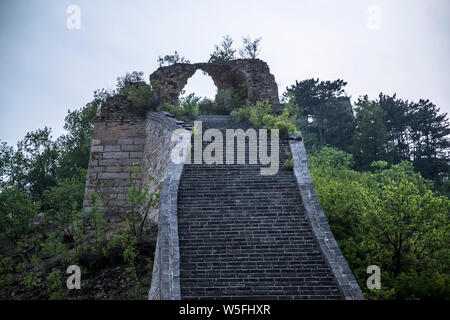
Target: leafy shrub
141	199
227	100
55	289
389	218
63	196
189	104
187	108
224	52
95	216
6	269
141	95
289	164
206	106
258	115
16	210
170	59
284	127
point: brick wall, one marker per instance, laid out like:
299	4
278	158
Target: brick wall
121	139
117	144
157	150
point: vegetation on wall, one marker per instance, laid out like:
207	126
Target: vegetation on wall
170	59
141	96
250	49
258	114
224	51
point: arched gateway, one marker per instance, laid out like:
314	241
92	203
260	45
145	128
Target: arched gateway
233	74
224	231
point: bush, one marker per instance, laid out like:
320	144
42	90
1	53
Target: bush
228	99
206	106
63	196
258	116
16	211
241	114
388	218
141	95
285	127
188	107
289	164
55	289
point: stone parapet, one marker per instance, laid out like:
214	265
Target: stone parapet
328	245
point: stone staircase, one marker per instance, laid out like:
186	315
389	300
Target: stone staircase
243	235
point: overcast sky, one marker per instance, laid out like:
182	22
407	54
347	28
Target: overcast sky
391	46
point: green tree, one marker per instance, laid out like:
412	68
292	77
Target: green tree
326	116
395	130
75	144
250	49
224	51
370	138
141	96
170	59
16	211
397	119
387	217
37	155
430	140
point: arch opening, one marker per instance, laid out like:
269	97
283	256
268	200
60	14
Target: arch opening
215	91
201	85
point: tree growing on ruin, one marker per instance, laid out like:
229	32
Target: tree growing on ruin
224	51
250	49
170	59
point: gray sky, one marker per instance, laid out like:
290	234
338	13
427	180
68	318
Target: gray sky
48	68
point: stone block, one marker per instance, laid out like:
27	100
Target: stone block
97	149
109	162
132	147
114	169
125	141
112	148
136	155
116	155
112	175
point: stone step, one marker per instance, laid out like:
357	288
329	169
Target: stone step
243	235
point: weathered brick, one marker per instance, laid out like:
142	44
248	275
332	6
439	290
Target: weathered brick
108	162
96	148
136	155
139	141
112	148
114	169
116	155
111	175
132	147
129	162
125	141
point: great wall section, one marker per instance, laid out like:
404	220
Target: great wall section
224	230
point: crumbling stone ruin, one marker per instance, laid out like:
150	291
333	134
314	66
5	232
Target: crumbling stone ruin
224	231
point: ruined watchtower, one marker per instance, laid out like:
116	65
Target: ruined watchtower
224	231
